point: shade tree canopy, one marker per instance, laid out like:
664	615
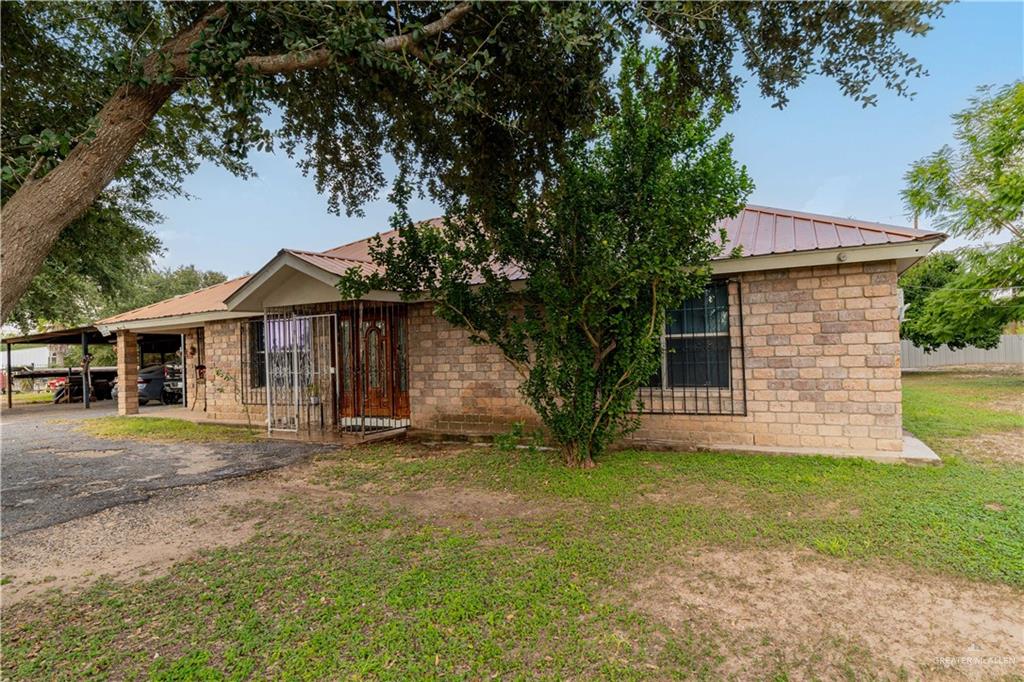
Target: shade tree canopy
108	106
975	190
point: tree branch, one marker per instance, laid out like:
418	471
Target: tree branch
629	370
519	366
270	65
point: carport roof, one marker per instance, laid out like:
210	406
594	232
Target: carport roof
61	336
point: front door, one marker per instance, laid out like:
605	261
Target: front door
377	368
373	346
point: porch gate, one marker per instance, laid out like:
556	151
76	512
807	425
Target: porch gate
302	377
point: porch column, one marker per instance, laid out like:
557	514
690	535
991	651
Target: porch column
127	373
85	371
9	385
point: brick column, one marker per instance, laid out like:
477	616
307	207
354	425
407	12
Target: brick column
127	373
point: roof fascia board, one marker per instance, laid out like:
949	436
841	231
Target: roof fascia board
271	268
156	324
850	254
282	260
289	260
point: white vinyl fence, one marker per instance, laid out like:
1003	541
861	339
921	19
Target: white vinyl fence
1010	351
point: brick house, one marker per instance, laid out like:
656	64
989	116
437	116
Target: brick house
793	348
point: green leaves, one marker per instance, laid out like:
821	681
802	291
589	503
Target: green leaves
965	298
61	62
570	278
480	110
976	189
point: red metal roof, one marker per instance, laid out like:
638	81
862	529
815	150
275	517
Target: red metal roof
762	231
360	250
757	230
210	299
333	264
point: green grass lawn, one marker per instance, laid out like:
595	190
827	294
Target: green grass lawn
366	587
166	430
30	398
938	405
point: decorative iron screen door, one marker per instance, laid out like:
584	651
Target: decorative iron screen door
301	363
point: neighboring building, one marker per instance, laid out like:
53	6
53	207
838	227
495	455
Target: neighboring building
58	351
38	356
793	348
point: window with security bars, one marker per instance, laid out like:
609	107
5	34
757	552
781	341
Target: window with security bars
702	357
254	362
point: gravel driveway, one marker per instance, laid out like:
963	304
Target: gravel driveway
51	472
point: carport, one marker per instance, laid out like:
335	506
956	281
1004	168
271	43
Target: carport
86	336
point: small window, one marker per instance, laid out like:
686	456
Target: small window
257	355
696	345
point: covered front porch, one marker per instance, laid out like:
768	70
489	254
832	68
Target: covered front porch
329	368
282	351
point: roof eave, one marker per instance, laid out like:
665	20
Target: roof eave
911	250
168	323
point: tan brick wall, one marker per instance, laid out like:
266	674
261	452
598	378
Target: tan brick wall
821	357
127	372
822	365
456	386
822	369
223	385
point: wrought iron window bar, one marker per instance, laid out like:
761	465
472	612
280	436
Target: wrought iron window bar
703	365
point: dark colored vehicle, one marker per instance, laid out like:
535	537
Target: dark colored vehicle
160	383
102	389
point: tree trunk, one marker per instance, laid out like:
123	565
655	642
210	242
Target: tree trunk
35	215
33	218
577	455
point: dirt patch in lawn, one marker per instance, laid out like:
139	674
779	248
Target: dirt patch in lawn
743	501
709	494
1005	447
1014	404
821	618
144	540
470	505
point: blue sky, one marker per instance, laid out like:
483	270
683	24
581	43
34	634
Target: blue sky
823	153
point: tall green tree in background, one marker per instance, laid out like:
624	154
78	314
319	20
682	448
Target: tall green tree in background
974	190
158	284
71	301
623	230
107	106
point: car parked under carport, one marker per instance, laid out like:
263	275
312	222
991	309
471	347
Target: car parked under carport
158	383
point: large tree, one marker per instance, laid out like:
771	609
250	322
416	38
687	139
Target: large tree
69	299
964	298
573	287
58	69
973	190
459	94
